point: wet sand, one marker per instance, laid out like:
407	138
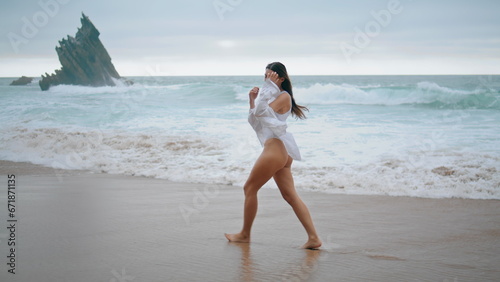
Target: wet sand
80	226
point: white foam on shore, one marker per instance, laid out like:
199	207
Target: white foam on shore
362	136
202	159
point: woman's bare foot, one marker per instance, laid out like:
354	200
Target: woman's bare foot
237	238
312	243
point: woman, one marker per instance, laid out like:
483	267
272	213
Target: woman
269	108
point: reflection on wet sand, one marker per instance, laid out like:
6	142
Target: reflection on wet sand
295	270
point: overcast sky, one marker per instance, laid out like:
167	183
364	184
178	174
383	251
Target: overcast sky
239	37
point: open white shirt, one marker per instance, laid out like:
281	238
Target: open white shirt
269	124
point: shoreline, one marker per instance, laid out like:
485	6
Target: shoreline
82	226
27	168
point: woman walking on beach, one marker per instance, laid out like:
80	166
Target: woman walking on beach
269	108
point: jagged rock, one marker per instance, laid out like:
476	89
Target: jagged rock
84	60
23	80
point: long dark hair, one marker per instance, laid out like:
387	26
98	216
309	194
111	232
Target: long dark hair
280	69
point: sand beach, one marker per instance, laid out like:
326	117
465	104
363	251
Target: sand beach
83	226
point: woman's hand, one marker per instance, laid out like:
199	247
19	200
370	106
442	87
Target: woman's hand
273	76
253	93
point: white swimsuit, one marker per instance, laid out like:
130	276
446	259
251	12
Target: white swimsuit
269	124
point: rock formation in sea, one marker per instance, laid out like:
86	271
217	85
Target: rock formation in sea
84	60
23	80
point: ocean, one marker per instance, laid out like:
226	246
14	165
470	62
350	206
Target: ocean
419	136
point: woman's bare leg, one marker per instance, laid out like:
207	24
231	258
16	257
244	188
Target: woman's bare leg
272	159
284	180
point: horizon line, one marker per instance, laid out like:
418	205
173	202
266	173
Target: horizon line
241	75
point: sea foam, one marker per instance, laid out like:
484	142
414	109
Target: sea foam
434	137
202	159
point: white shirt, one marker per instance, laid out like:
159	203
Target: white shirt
269	124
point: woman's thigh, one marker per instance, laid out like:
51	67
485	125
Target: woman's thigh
273	158
284	181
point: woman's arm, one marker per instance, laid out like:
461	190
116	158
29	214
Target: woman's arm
252	96
282	104
263	115
269	90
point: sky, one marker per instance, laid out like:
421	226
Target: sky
240	37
